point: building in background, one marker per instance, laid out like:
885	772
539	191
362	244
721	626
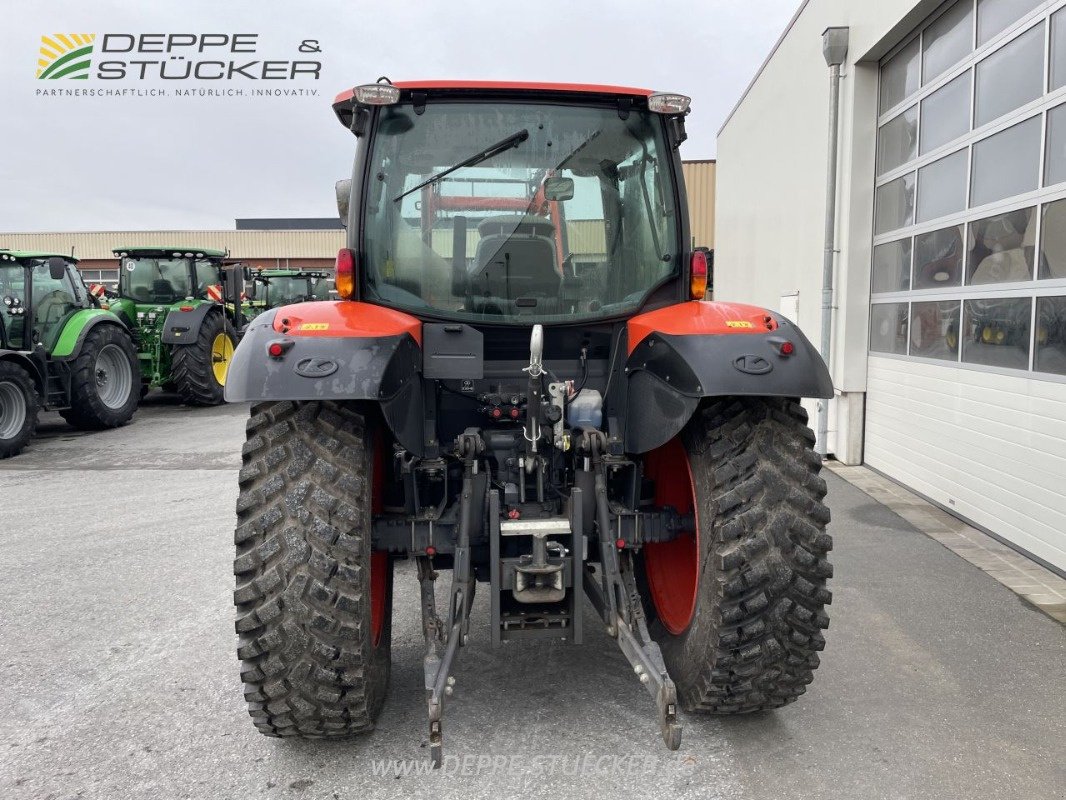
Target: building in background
313	242
268	248
949	321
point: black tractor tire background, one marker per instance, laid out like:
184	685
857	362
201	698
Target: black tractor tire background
86	410
18	377
757	626
191	369
310	667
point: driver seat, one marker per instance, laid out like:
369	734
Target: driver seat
515	258
162	291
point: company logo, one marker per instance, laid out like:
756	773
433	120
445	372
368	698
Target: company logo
176	58
65	55
315	367
753	365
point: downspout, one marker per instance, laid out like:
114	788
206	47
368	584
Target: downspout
835	50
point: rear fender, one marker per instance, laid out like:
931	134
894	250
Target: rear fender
183	327
335	350
77	328
28	364
681	354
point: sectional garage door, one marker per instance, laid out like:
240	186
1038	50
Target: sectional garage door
966	397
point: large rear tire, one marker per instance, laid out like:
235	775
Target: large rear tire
199	370
19	408
738	606
314	604
105	381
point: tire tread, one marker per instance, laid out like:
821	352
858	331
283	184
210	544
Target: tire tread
768	556
302	570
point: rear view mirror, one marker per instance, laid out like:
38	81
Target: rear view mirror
57	268
559	189
344	191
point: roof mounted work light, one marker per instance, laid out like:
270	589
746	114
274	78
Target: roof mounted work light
668	103
376	94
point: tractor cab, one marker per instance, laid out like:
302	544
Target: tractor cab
39	292
59	351
508	209
184	305
154	276
270	288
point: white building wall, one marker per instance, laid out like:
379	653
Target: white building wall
771	188
991	447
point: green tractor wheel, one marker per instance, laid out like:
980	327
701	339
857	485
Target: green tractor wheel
105	381
18	409
199	372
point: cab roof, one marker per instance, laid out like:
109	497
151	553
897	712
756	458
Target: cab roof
19	255
344	102
168	251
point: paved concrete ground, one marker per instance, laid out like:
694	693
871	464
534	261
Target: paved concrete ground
118	676
1024	576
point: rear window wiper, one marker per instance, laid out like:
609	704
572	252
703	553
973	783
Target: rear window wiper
492	150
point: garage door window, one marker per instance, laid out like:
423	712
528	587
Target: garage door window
1011	77
888	328
946	114
994	16
935	330
1002	248
947	40
1006	164
892	267
938	258
942	187
996	332
969	250
1053	242
1051	334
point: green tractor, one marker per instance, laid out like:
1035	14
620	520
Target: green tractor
271	288
59	351
183	305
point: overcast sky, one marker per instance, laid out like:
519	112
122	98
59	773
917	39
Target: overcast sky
133	163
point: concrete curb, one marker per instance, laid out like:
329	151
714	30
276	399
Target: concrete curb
1029	580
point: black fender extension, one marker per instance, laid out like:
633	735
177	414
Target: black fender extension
668	376
382	369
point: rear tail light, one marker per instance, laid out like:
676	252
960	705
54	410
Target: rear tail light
278	348
345	278
698	275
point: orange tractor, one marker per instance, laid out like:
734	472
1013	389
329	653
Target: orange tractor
521	383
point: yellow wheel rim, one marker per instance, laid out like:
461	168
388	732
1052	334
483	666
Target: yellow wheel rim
221	353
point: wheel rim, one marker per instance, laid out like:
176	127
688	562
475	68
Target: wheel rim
221	352
379	566
114	377
672	568
12	410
